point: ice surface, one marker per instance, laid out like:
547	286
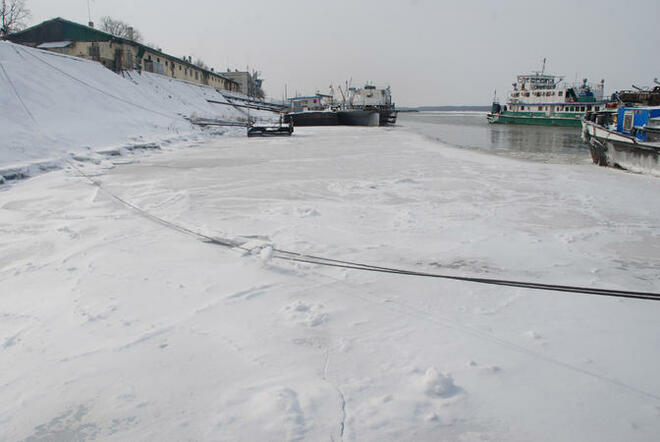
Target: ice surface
117	328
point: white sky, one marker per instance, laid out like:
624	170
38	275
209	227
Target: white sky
430	52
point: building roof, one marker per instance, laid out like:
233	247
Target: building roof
59	30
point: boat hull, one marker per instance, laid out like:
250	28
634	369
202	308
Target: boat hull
312	118
535	119
610	148
359	118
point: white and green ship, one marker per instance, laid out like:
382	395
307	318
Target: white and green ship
543	99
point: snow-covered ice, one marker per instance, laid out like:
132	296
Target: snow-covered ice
115	327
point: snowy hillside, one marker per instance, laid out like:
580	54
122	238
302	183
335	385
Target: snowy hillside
52	104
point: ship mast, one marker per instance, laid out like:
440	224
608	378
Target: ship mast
543	70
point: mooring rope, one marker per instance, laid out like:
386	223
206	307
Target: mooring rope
291	256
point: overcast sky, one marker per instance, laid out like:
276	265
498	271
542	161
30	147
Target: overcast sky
431	52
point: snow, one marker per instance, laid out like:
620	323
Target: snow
116	327
53	105
54	45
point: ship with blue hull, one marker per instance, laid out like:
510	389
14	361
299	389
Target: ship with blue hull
627	137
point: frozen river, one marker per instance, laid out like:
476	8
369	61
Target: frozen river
117	327
470	130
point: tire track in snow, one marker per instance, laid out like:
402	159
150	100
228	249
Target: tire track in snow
342	399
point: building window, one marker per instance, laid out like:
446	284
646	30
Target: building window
165	62
179	67
157	59
196	75
149	57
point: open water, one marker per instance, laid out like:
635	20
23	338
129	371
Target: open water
470	130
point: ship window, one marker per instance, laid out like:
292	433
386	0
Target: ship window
522	107
589	107
560	93
581	108
596	108
540	108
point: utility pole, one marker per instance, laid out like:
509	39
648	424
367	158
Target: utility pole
3	28
89	15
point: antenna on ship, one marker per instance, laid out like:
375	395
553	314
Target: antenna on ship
543	70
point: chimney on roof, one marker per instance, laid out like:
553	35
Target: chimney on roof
131	33
91	24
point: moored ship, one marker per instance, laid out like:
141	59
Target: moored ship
544	99
627	137
367	106
371	99
314	110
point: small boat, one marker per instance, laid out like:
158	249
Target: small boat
543	99
627	138
283	130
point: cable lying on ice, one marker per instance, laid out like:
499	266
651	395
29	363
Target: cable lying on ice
287	255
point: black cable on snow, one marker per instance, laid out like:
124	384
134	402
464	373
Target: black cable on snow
328	262
296	257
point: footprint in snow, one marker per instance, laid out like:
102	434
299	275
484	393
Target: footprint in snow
311	315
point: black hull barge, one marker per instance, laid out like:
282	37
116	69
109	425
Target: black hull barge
320	118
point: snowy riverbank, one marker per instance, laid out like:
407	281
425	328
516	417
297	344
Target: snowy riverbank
120	328
53	106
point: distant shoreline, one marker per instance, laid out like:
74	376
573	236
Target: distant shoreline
445	108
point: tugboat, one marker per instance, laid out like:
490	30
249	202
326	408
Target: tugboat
627	137
315	110
543	99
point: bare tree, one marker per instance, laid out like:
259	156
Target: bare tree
254	88
13	14
200	64
120	29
